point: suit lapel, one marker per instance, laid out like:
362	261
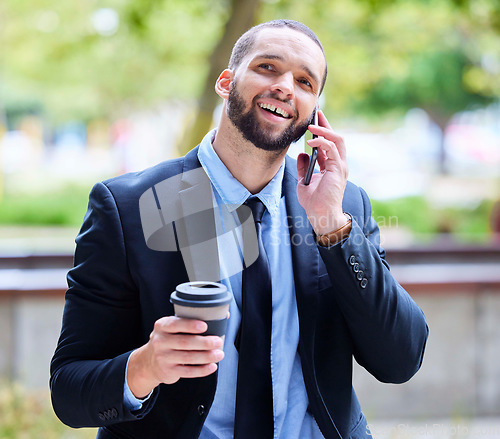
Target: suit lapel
196	229
305	256
195	191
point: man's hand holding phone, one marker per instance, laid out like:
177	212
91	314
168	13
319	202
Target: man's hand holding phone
322	197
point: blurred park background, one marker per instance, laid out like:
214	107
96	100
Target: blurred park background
90	89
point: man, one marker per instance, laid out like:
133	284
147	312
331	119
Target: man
126	364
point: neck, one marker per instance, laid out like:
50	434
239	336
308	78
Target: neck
253	167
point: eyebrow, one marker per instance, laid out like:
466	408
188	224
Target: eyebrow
281	58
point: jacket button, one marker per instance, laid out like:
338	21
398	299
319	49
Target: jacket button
364	282
102	417
201	409
352	259
360	275
355	267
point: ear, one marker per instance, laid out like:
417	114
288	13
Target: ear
223	83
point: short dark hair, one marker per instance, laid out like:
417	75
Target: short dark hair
247	40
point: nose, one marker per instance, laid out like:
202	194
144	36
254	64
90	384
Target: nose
284	85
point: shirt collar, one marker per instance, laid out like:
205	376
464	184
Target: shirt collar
230	190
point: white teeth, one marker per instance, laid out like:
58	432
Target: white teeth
274	109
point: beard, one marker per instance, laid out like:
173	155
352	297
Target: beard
249	126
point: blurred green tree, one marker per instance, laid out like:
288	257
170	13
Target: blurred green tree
393	55
435	83
93	59
388	56
243	15
443	69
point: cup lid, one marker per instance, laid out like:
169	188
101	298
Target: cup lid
201	294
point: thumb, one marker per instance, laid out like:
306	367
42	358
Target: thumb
302	164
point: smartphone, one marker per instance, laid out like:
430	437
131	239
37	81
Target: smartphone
314	154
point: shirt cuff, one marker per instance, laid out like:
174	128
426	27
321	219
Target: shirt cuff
130	401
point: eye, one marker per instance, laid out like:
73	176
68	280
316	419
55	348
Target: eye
305	82
266	66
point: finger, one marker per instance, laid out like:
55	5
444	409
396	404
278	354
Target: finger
331	136
302	165
187	371
188	342
329	149
175	325
327	133
197	357
323	121
321	158
322	128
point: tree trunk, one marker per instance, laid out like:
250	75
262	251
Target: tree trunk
243	13
442	120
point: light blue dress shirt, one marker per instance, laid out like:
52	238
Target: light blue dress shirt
291	418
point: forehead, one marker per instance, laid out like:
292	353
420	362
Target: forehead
291	45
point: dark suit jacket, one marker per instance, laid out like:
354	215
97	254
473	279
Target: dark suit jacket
349	306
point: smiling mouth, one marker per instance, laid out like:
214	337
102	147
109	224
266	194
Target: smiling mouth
275	110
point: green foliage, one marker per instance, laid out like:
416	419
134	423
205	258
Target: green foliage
53	55
67	207
469	224
415	213
64	207
158	51
434	82
424	220
26	415
398	54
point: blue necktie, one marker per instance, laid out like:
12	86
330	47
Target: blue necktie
254	393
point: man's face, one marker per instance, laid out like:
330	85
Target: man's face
275	89
249	125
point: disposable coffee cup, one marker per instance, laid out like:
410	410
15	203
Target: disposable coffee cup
207	301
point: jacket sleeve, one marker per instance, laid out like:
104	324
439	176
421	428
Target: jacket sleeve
388	329
101	324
